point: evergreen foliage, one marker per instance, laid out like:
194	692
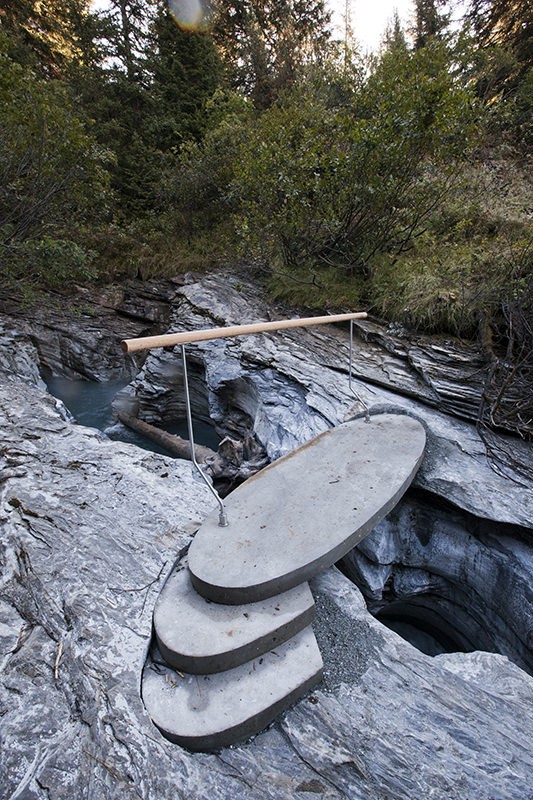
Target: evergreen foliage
45	36
430	23
52	174
268	46
502	64
185	70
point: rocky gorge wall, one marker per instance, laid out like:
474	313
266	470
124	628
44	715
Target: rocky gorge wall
90	529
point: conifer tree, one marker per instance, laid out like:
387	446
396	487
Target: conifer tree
430	21
505	23
46	36
184	70
127	23
267	45
394	39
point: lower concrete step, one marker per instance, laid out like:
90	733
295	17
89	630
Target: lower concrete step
200	637
207	712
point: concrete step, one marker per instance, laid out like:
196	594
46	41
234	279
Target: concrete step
207	712
304	512
200	637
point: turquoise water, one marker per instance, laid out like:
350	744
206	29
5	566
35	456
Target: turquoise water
89	402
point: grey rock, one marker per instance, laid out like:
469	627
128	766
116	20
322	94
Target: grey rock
18	356
383	730
289	387
78	336
90	530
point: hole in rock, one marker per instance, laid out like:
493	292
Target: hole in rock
90	403
423	627
446	580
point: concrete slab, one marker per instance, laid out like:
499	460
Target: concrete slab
305	511
206	712
197	636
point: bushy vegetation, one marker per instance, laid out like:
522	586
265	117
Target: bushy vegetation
333	185
132	146
52	178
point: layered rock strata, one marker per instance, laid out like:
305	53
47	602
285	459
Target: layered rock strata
90	530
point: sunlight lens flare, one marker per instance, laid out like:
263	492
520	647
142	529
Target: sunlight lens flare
191	15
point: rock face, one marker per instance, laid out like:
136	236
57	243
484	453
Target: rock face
289	387
91	528
78	336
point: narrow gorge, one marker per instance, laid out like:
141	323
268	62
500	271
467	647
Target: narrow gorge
92	526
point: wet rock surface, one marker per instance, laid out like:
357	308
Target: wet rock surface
91	528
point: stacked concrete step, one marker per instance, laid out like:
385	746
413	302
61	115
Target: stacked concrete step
220	673
197	636
234	642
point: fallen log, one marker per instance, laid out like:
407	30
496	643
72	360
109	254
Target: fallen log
174	444
232	464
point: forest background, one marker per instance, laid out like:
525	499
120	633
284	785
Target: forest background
138	142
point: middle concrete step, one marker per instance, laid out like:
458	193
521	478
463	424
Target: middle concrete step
200	637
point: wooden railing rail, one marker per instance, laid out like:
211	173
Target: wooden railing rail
171	339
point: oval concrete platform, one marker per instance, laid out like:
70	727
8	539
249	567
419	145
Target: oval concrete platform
200	637
207	712
305	511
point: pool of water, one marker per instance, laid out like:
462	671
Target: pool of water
427	642
89	403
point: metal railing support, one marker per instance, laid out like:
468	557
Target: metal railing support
222	516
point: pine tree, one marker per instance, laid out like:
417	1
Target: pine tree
505	23
503	64
46	36
430	22
267	45
394	39
126	26
185	69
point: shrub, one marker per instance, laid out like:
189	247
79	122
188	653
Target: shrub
326	186
52	175
51	262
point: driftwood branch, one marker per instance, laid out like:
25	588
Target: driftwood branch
174	444
233	463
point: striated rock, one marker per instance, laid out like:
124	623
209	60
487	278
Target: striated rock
79	335
91	529
288	387
400	724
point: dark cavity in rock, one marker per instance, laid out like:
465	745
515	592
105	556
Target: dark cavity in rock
448	581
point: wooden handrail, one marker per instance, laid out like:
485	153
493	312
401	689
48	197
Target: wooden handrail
170	339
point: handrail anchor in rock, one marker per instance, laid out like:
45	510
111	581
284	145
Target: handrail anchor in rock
186	337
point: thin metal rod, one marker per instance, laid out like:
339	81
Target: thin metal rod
222	517
186	337
356	394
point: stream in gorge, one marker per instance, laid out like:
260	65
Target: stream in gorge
90	403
